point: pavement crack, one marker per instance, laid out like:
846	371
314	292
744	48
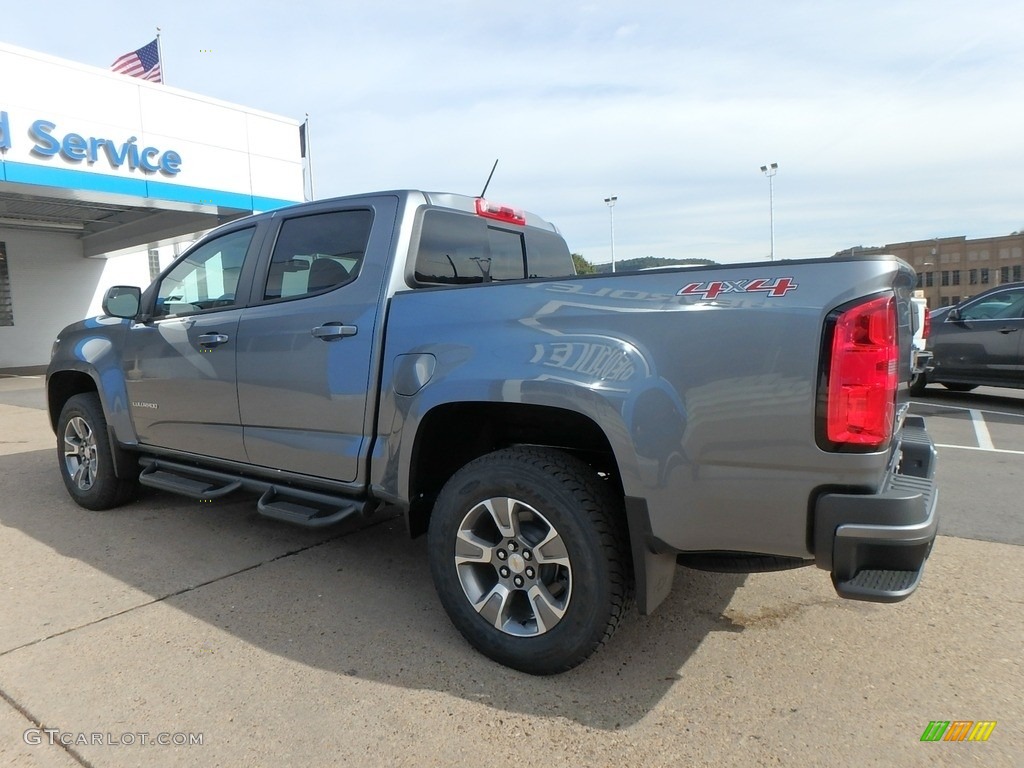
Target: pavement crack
43	728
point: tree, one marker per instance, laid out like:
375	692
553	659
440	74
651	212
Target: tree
583	267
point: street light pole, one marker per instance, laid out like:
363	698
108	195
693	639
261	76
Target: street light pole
769	171
610	201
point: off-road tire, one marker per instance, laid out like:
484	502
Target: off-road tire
561	505
83	456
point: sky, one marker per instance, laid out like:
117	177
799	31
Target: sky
890	121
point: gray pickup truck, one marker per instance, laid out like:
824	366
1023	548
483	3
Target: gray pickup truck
564	441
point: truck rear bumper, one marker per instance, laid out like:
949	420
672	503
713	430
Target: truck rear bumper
876	545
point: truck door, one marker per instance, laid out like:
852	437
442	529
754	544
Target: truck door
307	344
180	363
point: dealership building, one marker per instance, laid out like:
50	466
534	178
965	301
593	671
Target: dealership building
105	177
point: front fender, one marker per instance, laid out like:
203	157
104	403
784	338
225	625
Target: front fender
92	348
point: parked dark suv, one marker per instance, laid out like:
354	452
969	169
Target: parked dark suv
978	342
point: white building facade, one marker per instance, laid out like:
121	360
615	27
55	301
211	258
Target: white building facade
105	177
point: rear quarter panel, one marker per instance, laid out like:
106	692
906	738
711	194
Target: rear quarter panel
707	396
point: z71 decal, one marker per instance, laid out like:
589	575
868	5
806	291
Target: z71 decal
780	286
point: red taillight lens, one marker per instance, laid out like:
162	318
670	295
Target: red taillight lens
927	323
863	375
505	213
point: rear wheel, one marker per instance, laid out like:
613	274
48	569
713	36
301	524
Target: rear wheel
530	558
83	455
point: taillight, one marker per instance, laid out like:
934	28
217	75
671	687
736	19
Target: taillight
863	367
927	323
504	213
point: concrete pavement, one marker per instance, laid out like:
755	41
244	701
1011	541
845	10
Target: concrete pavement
278	646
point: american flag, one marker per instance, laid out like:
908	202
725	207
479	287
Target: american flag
143	63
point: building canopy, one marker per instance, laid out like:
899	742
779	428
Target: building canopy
123	163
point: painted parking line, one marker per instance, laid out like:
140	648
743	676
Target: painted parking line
980	427
981	431
927	404
979	448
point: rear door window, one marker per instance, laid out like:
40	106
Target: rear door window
317	253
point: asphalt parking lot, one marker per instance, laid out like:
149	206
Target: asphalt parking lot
276	646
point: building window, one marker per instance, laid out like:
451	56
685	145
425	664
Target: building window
1004	253
920	280
1016	273
972	277
984	276
984	255
945	277
1004	275
956	277
929	279
154	263
955	300
972	255
6	309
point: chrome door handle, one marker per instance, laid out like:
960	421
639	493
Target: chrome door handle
1008	330
212	339
332	331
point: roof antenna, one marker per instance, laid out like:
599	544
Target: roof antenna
490	175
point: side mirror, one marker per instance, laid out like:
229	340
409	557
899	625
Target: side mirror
954	315
122	301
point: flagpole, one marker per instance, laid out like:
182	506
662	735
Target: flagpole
309	160
160	56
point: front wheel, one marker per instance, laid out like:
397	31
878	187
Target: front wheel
83	455
530	558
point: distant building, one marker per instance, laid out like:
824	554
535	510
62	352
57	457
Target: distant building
951	269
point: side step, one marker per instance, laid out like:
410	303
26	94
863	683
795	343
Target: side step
297	506
306	511
156	477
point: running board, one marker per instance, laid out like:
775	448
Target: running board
304	511
297	506
156	477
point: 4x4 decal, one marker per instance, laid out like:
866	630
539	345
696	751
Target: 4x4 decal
780	286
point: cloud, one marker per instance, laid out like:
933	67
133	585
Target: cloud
889	121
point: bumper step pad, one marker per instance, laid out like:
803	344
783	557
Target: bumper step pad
880	586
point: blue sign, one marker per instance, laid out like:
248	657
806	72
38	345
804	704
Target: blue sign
75	148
